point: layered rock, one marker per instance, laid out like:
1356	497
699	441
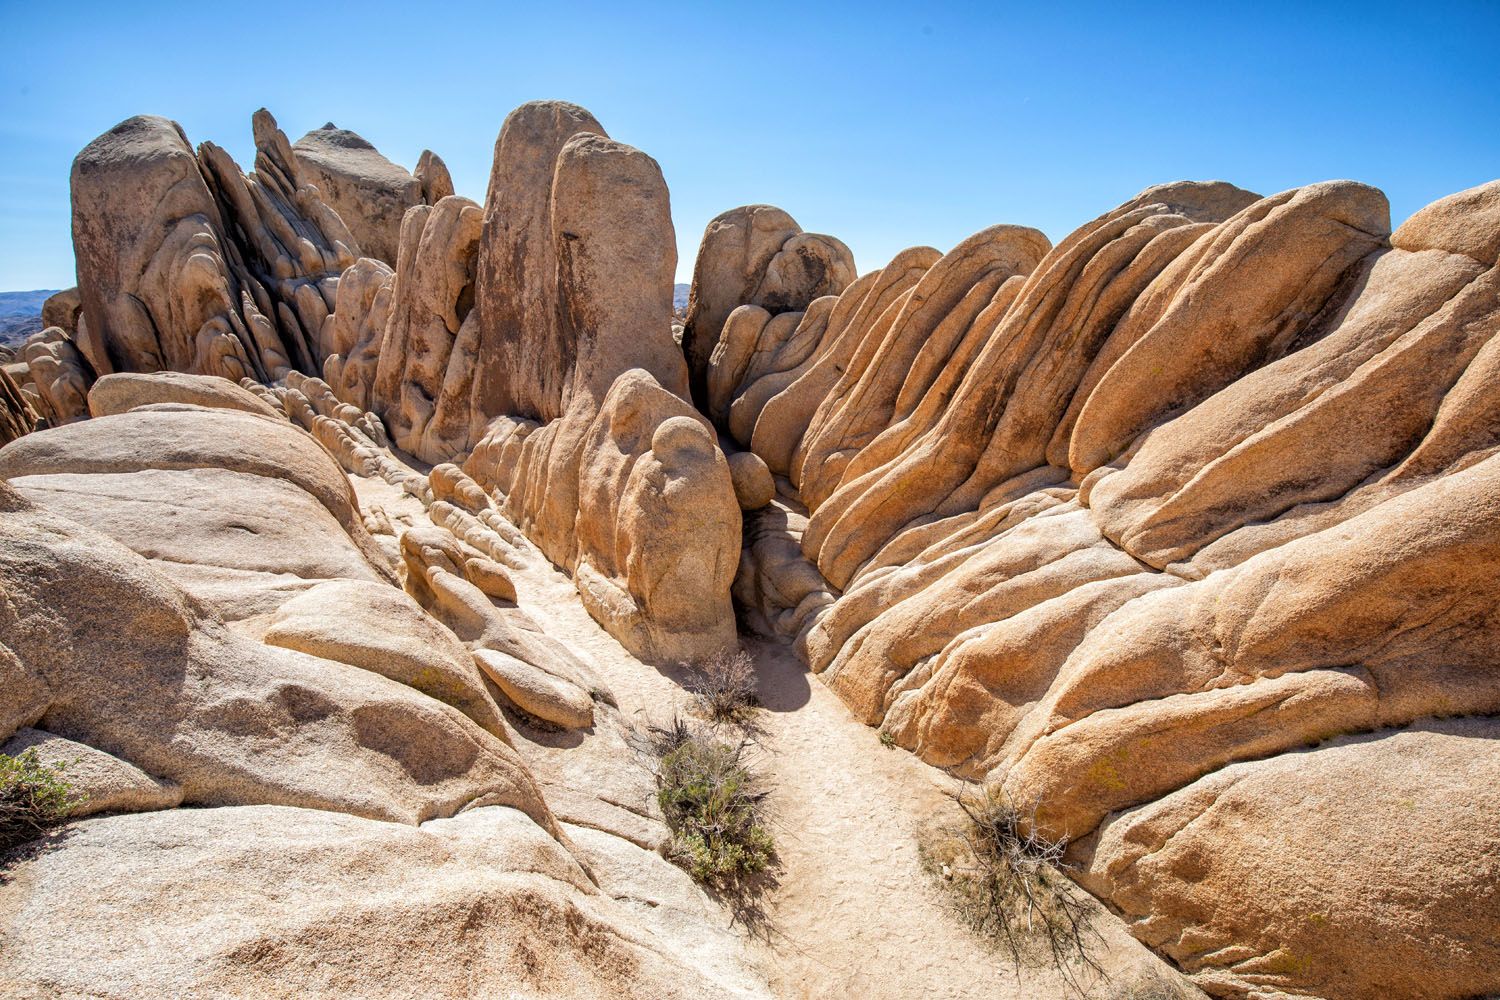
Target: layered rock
533	344
1120	524
196	613
185	263
755	255
369	192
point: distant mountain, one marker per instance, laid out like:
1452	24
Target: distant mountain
14	304
679	297
21	314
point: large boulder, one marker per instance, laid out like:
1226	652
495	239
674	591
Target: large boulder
755	255
185	263
368	191
575	267
271	901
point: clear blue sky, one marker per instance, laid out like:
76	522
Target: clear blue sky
888	127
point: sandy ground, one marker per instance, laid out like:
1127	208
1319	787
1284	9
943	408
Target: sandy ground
854	915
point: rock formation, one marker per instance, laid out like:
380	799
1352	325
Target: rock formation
1178	536
368	191
1123	526
755	255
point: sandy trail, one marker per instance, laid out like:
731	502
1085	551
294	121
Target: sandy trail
854	914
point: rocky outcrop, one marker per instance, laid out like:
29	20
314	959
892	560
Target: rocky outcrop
187	264
17	416
62	310
1167	533
270	901
369	192
194	615
1123	524
575	267
755	255
532	342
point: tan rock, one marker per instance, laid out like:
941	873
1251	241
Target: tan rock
133	666
423	374
433	175
378	628
17	416
1361	868
125	391
575	267
61	310
1467	222
755	255
369	192
60	376
101	783
264	900
753	485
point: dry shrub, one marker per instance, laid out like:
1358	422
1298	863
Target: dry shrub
1006	882
723	689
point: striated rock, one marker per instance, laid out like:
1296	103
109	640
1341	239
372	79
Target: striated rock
355	331
369	192
120	657
1391	839
1119	525
264	900
17	416
378	628
59	375
187	264
755	255
426	363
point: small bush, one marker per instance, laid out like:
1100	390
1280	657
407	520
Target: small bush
713	805
888	739
33	797
1006	882
723	689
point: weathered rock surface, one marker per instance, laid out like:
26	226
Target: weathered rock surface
755	255
1122	525
270	901
185	263
575	267
368	191
1179	534
100	783
225	634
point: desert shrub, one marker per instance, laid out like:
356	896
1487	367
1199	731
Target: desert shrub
723	688
1007	883
713	804
33	797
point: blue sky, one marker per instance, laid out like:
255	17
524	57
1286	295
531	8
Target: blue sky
886	126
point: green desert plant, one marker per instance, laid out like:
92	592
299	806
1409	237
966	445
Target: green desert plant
33	797
723	688
713	804
1006	882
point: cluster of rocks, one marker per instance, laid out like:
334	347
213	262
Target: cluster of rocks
1178	534
1167	533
